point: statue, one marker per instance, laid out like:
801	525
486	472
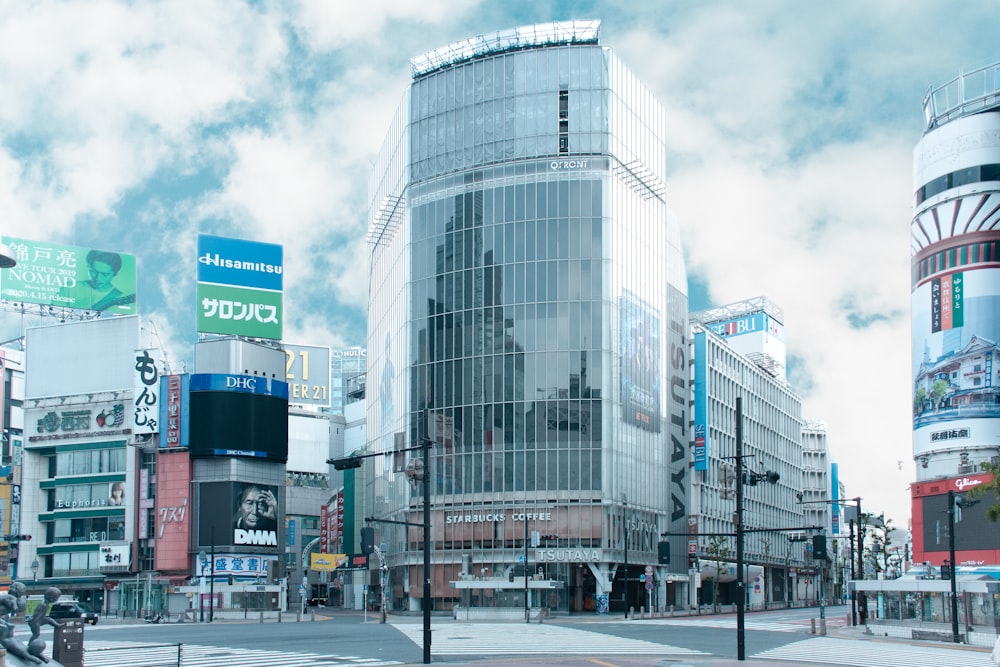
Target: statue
12	603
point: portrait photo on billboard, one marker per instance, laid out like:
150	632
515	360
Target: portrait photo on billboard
70	277
956	331
116	494
255	514
640	365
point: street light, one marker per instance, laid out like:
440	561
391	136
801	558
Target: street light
625	517
856	608
418	473
962	503
752	479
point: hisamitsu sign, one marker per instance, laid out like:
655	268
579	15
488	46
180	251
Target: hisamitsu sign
240	287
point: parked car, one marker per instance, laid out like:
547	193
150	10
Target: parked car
72	609
317	602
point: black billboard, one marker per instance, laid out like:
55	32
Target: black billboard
241	514
238	416
973	531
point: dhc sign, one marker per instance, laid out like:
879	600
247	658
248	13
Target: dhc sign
246	384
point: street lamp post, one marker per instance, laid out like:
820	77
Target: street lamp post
201	586
953	502
625	517
752	478
424	476
856	599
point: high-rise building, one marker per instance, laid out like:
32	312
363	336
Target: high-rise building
528	315
347	376
955	247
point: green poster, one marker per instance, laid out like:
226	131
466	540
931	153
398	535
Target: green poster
239	311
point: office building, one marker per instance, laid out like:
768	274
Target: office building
528	315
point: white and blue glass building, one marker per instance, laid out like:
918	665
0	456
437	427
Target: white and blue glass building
528	315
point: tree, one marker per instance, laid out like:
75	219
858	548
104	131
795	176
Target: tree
718	552
990	487
938	389
877	541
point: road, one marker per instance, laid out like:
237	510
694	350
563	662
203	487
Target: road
348	639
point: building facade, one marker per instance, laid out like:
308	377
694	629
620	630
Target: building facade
730	362
528	317
955	248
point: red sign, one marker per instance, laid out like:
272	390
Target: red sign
171	523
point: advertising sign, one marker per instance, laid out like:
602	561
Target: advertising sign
239	287
238	415
235	564
255	515
172	519
96	419
324	529
701	443
69	277
956	377
307	371
326	562
115	557
640	365
174	408
145	401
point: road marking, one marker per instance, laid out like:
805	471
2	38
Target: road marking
855	653
139	654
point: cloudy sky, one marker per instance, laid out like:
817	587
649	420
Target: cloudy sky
135	125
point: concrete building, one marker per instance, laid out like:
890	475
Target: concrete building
772	442
528	316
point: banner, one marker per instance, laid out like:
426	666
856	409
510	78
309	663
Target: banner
65	276
239	287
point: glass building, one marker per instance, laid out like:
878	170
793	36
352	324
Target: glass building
528	315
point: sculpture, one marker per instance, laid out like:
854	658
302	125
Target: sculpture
12	603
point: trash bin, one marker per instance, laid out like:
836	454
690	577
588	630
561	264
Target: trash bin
68	643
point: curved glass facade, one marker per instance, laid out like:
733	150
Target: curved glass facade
528	315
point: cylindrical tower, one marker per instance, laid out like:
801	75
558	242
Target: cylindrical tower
955	237
955	246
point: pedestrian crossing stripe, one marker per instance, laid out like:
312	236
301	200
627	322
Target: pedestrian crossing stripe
730	623
832	651
139	654
535	639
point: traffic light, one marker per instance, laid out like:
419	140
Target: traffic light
663	553
345	464
946	571
819	547
367	540
18	538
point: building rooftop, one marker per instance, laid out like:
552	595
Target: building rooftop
515	39
967	94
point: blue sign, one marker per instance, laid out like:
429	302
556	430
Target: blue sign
291	532
247	384
701	439
226	261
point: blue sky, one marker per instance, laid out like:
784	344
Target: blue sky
134	126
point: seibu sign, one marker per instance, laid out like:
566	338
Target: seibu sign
497	517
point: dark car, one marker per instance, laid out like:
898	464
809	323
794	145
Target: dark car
317	602
72	609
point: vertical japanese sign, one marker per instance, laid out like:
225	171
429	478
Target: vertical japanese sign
338	532
324	533
145	402
239	287
145	504
173	522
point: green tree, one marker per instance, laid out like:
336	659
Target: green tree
990	488
877	542
718	552
938	389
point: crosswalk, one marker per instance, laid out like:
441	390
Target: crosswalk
831	651
727	623
531	639
137	654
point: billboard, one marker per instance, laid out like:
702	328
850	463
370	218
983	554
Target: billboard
307	371
238	513
956	340
977	540
172	522
146	393
81	357
701	442
640	362
238	415
66	276
239	287
326	562
175	407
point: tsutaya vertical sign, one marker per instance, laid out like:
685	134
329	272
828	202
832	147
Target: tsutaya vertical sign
239	287
145	402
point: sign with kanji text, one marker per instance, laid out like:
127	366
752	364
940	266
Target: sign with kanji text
146	397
